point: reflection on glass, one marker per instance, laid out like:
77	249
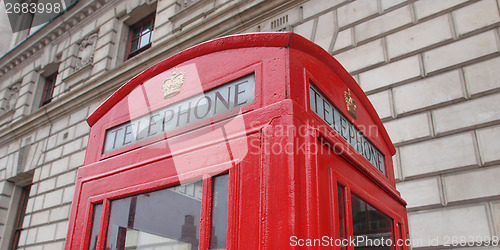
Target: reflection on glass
219	212
145	39
96	221
136	33
370	224
341	211
165	219
146	27
135	44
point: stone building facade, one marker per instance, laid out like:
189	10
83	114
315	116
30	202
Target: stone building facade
430	68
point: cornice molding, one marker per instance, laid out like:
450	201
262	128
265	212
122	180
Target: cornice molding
48	33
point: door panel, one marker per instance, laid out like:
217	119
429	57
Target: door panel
360	209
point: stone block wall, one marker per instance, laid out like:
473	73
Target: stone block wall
430	68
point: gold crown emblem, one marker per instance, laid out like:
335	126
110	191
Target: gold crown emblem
350	103
172	85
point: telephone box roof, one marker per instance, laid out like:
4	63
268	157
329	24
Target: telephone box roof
288	40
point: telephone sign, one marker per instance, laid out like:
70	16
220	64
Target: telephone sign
225	98
331	116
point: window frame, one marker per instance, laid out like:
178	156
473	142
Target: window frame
131	38
48	89
20	215
211	209
337	176
339	211
205	230
380	210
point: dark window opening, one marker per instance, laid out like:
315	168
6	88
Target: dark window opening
48	89
141	36
18	226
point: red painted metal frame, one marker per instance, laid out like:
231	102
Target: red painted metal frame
254	40
272	196
255	68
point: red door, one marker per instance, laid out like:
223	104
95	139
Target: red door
362	214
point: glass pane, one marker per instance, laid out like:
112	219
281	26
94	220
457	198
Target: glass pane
145	39
400	227
136	32
341	211
164	219
48	90
146	27
96	221
134	45
370	225
219	212
21	213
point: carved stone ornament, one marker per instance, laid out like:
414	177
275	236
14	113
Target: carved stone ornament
11	97
350	103
186	3
172	85
85	54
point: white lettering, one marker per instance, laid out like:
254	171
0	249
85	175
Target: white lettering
228	97
352	135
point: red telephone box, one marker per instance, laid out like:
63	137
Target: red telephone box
255	141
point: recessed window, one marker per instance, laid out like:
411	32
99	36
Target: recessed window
141	36
21	212
48	89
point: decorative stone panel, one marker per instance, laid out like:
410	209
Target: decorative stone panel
10	98
85	53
